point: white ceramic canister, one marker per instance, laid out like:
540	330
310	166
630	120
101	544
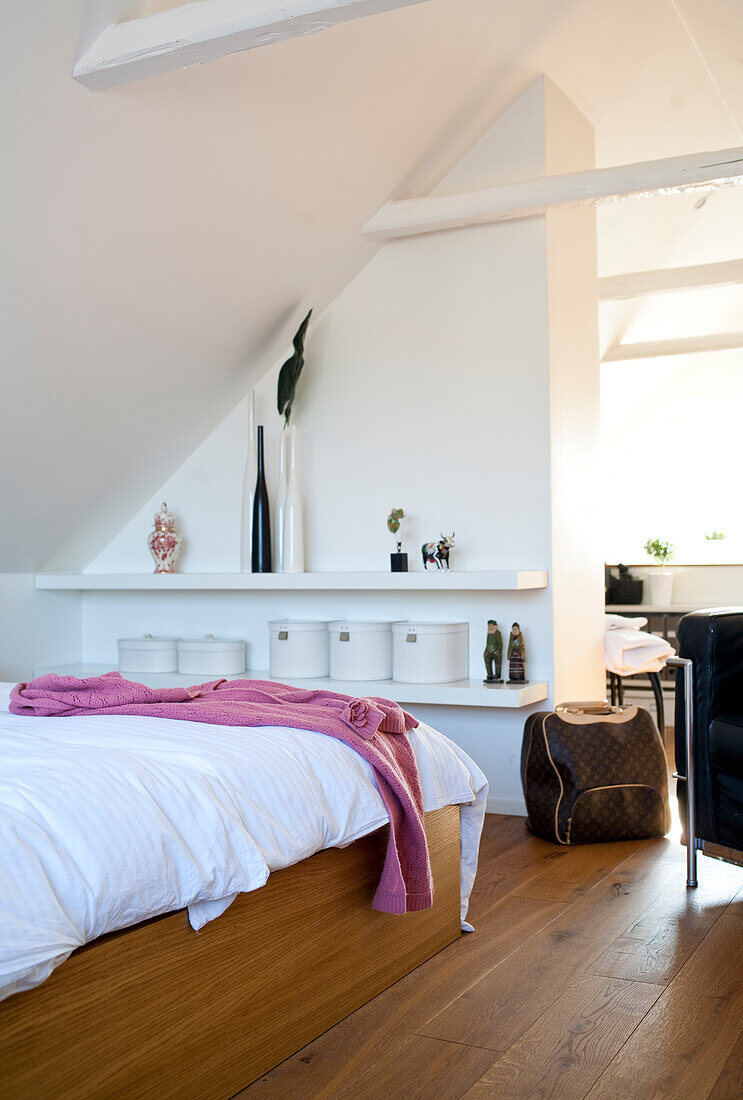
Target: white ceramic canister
210	656
299	650
360	650
148	654
430	653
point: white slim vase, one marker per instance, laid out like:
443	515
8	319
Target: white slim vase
293	516
280	508
249	480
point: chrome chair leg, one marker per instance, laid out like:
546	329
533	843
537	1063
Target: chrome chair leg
685	664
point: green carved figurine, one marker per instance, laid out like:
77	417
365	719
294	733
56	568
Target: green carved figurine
493	655
516	656
393	524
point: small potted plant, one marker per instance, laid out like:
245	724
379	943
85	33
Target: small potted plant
715	548
661	583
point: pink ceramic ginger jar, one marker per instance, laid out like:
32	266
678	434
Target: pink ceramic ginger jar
165	542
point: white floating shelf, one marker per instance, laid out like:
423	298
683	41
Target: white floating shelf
424	581
460	693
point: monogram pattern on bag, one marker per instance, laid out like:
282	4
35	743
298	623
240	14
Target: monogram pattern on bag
618	813
593	782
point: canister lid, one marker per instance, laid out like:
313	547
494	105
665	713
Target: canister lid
210	644
297	625
148	643
361	627
416	627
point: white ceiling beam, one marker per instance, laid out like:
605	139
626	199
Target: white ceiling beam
682	345
506	201
635	284
204	30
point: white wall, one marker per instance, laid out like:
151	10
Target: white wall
671	425
159	239
424	387
447	378
36	629
708	586
418	378
671	451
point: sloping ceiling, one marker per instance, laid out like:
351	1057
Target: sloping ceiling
159	240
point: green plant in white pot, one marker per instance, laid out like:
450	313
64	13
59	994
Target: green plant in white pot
715	548
661	583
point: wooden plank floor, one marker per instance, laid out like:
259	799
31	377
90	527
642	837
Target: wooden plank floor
592	972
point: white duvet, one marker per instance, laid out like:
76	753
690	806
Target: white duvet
106	821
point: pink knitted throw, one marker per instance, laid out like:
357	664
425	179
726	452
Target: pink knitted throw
374	728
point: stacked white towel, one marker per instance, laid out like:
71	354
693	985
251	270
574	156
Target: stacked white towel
628	649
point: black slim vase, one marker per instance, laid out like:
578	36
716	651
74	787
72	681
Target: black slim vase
261	548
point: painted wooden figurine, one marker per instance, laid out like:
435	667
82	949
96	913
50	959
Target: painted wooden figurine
516	656
438	552
493	655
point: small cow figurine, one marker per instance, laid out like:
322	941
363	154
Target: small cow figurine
438	552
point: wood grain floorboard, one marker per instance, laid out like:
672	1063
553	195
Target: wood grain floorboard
716	967
683	1045
424	1068
505	1003
500	834
498	876
678	1051
523	1008
326	1067
657	945
567	880
729	1084
570	1045
331	1064
533	867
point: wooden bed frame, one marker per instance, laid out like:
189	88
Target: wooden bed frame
160	1011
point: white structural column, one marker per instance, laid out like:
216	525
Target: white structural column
575	501
201	31
527	197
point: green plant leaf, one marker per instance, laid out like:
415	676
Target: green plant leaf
661	550
290	372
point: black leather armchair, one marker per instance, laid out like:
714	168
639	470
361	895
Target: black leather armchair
713	642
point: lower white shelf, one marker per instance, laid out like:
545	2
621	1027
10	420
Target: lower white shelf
460	693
